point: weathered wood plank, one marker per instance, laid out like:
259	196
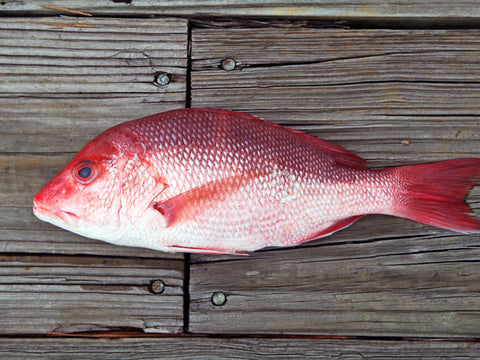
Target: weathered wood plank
267	46
234	348
393	97
63	81
391	87
377	9
40	294
420	286
67	79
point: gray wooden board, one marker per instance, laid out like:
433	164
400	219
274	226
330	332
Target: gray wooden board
63	81
406	92
233	348
386	95
41	294
365	9
392	97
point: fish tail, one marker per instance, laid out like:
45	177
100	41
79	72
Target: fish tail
434	193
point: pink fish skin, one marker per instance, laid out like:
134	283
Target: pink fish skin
216	181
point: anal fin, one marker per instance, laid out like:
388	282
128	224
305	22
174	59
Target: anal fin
205	250
339	225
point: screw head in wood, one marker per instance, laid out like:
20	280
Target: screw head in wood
228	64
161	79
156	287
219	298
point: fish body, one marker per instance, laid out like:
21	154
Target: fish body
216	181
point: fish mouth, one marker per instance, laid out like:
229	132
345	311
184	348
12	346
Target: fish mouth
56	217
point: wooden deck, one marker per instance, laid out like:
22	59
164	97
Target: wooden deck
396	84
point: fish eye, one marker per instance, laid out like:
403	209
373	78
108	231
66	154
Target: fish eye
85	172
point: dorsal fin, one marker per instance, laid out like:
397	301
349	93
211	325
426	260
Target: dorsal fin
338	153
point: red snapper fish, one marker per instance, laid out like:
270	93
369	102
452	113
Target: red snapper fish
217	181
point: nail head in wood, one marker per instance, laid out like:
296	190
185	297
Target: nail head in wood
229	64
157	287
161	79
219	298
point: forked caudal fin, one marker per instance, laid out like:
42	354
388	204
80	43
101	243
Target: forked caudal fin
434	193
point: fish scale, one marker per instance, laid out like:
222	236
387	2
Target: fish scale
216	181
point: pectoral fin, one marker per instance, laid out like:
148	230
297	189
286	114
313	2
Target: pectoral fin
186	205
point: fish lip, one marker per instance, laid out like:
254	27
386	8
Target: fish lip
45	213
39	210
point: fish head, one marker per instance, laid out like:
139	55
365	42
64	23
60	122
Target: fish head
104	189
85	197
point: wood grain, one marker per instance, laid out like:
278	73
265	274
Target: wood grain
394	97
233	348
62	81
419	286
40	294
391	96
365	9
370	91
